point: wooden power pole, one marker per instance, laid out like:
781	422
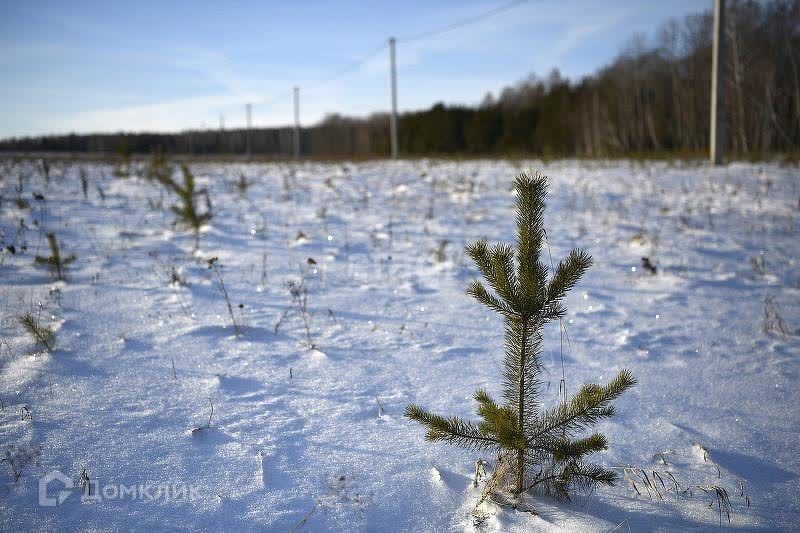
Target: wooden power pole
717	138
249	111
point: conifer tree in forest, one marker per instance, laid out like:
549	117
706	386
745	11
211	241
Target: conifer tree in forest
537	447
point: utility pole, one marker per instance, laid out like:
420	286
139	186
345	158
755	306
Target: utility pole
296	122
249	111
393	116
717	139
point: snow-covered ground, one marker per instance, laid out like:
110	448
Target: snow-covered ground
295	440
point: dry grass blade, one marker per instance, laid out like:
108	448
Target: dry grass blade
722	500
213	264
675	482
208	424
623	523
632	474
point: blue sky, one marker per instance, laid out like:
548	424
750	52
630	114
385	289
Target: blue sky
165	66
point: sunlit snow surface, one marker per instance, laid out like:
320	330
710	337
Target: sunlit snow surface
389	319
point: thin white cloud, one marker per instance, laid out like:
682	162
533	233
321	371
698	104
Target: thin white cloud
576	35
161	116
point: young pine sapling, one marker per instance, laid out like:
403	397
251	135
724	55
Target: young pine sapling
21	202
187	211
122	168
242	184
159	169
537	447
43	335
45	165
55	261
84	183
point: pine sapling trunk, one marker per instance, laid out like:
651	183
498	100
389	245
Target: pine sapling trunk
521	408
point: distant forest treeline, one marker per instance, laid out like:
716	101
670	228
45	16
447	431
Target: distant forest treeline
653	98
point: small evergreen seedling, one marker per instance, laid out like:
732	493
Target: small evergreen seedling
42	334
242	185
187	212
159	168
21	202
122	169
45	164
84	183
537	447
55	261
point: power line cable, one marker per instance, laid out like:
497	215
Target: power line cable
355	65
347	69
465	22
